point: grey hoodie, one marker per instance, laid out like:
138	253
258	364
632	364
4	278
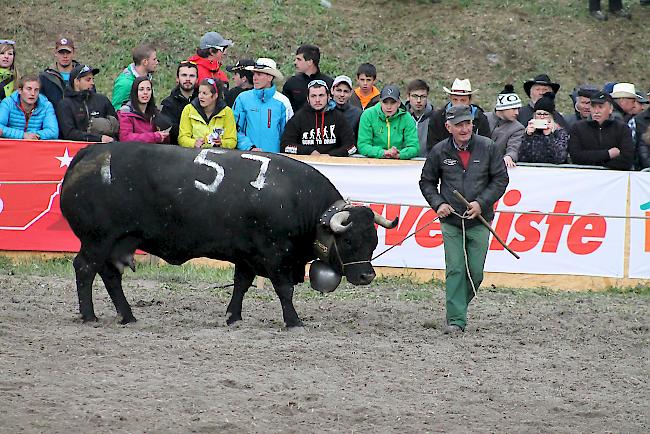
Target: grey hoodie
422	123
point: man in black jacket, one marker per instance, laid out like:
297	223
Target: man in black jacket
306	63
341	93
459	94
241	77
318	128
84	115
473	165
56	79
602	140
185	91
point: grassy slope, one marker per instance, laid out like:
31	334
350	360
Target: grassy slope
405	39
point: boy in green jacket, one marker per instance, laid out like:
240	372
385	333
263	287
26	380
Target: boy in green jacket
387	130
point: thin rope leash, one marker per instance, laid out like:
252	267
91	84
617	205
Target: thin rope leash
514	211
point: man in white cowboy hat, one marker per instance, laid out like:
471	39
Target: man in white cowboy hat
625	97
262	113
505	130
535	88
459	94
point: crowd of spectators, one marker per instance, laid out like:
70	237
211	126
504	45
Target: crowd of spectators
313	113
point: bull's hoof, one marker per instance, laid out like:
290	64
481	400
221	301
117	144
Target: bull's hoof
296	323
127	319
88	318
232	319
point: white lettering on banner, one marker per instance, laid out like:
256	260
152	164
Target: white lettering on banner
580	245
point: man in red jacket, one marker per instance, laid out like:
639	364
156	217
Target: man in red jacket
209	57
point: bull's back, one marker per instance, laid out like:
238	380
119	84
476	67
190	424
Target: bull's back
167	192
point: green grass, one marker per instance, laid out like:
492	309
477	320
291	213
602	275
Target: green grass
187	276
436	42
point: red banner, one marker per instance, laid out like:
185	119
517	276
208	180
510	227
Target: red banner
31	172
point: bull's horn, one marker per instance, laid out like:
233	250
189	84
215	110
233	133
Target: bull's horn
337	222
384	222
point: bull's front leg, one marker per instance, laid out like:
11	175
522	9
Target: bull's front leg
113	282
243	280
84	276
285	293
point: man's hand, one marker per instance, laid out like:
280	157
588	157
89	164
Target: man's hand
474	210
509	161
256	149
614	152
391	153
107	139
31	136
315	152
444	210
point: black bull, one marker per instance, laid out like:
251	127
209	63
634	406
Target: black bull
259	211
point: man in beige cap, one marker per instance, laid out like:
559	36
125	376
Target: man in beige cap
262	113
625	97
460	94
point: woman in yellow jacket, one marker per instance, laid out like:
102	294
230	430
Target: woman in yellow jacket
207	122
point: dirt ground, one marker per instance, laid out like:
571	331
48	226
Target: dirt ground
529	362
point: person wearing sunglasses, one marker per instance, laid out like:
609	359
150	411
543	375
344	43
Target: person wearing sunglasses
207	121
210	55
26	114
85	115
318	128
8	74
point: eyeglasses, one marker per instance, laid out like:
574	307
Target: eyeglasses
418	97
213	82
85	69
222	49
7	42
316	83
543	114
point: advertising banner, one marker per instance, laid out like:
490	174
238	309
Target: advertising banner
640	229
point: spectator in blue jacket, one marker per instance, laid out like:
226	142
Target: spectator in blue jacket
262	113
26	114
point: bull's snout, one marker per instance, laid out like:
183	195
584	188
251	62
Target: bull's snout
366	278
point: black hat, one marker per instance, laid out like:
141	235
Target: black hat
546	103
540	79
80	70
391	91
241	64
458	113
601	98
587	90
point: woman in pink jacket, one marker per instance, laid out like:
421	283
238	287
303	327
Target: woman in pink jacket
138	114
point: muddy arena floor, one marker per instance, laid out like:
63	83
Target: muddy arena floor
375	362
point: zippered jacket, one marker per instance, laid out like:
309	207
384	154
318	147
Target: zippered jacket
75	110
261	116
377	133
41	121
589	143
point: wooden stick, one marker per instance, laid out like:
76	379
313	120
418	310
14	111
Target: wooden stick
486	224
